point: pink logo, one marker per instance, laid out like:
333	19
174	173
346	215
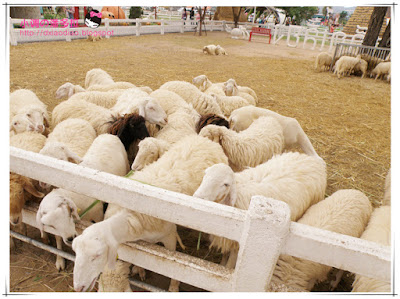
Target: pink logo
93	14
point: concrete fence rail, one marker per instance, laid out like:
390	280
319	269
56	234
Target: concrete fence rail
266	219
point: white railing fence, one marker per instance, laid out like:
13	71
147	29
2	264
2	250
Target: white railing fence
264	231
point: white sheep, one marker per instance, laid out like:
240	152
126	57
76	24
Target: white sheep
202	103
362	67
253	146
206	86
100	98
344	212
378	230
59	209
113	86
25	102
171	101
116	280
242	118
179	169
68	90
69	141
99	117
230	103
345	65
381	70
97	77
297	179
21	123
209	49
232	89
220	51
239	33
180	124
323	61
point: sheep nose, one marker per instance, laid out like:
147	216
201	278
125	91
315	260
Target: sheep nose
166	120
31	128
40	128
70	239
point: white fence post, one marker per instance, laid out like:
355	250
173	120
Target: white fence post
13	36
107	26
223	25
323	40
68	37
182	26
264	234
137	27
211	25
162	27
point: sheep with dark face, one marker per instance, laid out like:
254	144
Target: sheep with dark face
129	128
211	119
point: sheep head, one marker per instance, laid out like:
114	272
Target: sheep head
129	128
211	119
231	88
212	132
153	112
218	185
18	186
21	123
202	82
38	117
150	149
65	90
94	249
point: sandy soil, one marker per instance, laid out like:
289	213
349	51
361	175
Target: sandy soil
347	120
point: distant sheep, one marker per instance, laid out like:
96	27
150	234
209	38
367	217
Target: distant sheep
344	212
345	65
323	61
293	133
297	179
220	51
202	103
210	49
361	67
381	70
68	90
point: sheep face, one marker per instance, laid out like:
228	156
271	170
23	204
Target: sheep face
21	123
147	154
60	214
65	90
92	253
153	113
230	88
18	186
38	118
212	132
201	82
218	185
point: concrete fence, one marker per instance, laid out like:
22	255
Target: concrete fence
264	231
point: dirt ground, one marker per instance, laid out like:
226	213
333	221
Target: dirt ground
347	119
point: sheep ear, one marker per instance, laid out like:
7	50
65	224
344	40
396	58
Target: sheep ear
142	111
72	157
70	91
204	85
28	187
39	222
45	120
72	209
230	199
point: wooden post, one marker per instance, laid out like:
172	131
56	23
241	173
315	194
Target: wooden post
162	27
182	26
264	234
107	26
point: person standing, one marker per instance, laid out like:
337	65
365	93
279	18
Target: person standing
70	12
184	14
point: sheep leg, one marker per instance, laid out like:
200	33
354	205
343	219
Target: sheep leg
60	262
140	271
170	243
231	263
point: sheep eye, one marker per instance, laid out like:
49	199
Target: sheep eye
28	115
51	226
226	185
15	123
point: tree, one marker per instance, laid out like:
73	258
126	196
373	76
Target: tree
236	14
385	42
202	14
342	16
299	12
135	12
374	26
25	12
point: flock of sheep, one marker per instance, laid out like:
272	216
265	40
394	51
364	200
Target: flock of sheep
203	139
362	64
